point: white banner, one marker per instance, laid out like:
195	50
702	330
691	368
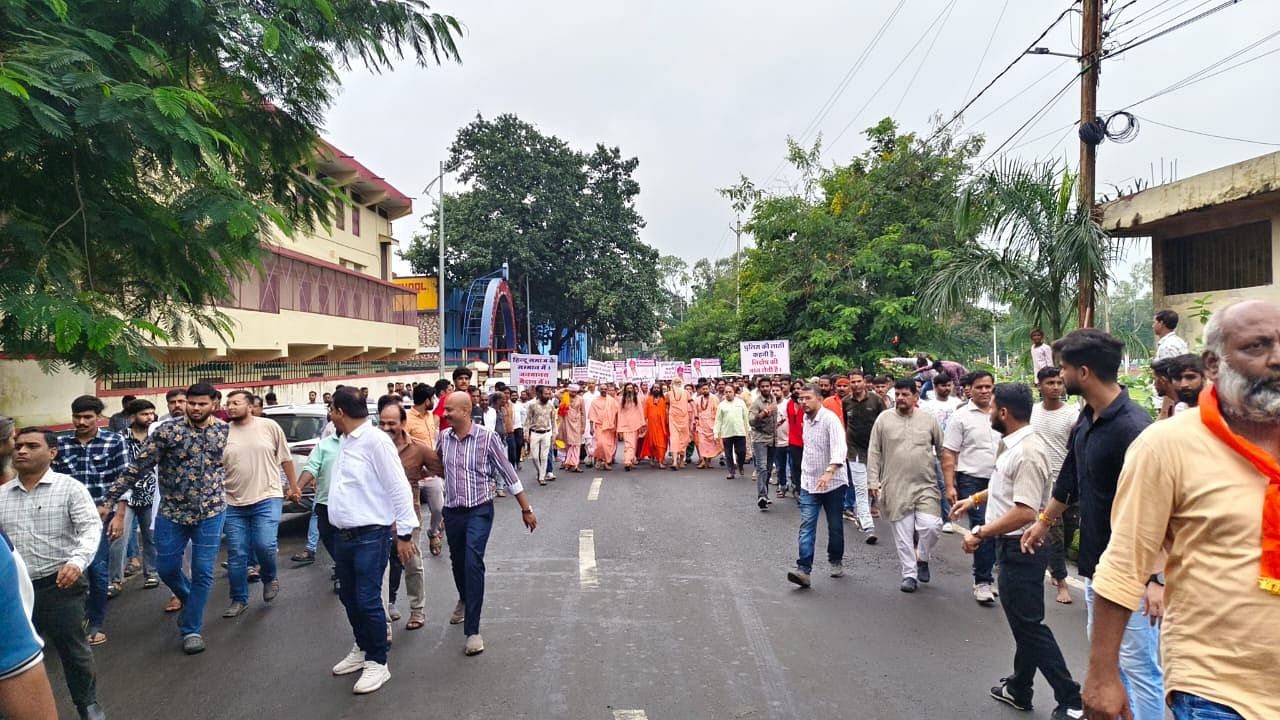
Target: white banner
530	370
705	368
578	374
620	371
766	357
642	368
668	370
600	370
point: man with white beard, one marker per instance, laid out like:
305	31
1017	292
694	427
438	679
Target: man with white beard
1206	486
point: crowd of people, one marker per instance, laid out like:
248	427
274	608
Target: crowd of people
943	450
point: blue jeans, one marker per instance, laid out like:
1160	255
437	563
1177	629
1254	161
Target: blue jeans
467	531
942	491
171	543
984	560
762	459
1139	662
135	518
832	502
253	527
99	571
313	530
1193	707
360	558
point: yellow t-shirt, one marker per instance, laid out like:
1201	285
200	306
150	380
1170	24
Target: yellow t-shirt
252	461
1183	486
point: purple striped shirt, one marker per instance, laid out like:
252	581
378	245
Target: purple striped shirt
470	464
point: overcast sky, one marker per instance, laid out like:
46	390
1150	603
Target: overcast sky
703	91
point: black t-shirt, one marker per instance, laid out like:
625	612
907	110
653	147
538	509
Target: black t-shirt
1091	470
859	417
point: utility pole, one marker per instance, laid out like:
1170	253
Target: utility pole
440	278
1090	59
737	267
528	315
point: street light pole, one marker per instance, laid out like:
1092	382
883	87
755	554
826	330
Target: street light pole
440	274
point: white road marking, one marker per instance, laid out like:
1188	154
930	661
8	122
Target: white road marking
587	576
594	492
629	715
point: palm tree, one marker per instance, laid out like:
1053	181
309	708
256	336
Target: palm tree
1022	242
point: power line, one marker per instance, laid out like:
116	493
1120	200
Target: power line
987	49
1156	9
928	51
1044	109
1205	72
1208	134
1171	28
1003	72
1020	93
890	76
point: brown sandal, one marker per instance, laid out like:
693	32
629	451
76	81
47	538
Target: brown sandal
435	545
97	638
417	619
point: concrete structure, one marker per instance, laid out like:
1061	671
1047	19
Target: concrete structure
1214	235
322	312
480	322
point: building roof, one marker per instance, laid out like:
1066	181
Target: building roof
374	189
1246	184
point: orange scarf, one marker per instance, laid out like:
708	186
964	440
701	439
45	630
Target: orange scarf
1211	416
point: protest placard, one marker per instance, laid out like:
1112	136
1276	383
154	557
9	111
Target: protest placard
600	370
579	373
671	370
642	368
766	357
705	368
530	370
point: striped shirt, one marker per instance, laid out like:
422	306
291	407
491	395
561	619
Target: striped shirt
54	524
96	463
1054	427
824	446
469	465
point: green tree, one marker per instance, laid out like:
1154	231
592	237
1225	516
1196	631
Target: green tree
147	148
710	326
1022	242
564	220
1128	310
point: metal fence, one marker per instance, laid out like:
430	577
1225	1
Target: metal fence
181	375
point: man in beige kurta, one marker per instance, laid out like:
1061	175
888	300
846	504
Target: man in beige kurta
904	443
679	422
704	426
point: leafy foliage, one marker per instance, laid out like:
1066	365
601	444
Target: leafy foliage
147	148
563	219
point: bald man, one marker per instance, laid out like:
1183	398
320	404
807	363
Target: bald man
1206	485
471	454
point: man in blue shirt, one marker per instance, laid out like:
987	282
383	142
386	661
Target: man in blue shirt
24	687
95	457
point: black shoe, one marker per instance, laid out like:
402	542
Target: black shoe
763	503
922	571
908	585
1064	712
1001	693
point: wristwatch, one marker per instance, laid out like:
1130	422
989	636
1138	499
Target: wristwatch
527	510
1157	578
405	538
976	531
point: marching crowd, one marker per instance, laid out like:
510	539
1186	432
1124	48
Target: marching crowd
1191	502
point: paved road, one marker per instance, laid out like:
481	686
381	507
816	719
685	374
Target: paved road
688	615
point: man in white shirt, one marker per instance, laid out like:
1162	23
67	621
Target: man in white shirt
368	496
1053	420
1020	486
1168	344
1041	352
822	485
942	406
968	459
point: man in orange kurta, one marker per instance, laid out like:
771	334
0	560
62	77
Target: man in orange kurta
679	422
573	427
655	416
604	426
704	426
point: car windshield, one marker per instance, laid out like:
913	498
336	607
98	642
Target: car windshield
300	427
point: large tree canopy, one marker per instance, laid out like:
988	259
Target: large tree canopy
563	219
146	149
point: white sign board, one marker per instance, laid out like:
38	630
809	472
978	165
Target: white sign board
600	370
705	368
530	370
578	374
642	368
671	370
766	357
620	371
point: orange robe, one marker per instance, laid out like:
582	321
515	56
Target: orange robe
704	427
679	419
630	420
655	437
604	426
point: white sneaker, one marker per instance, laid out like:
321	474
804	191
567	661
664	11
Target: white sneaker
375	675
474	645
982	593
948	528
351	663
